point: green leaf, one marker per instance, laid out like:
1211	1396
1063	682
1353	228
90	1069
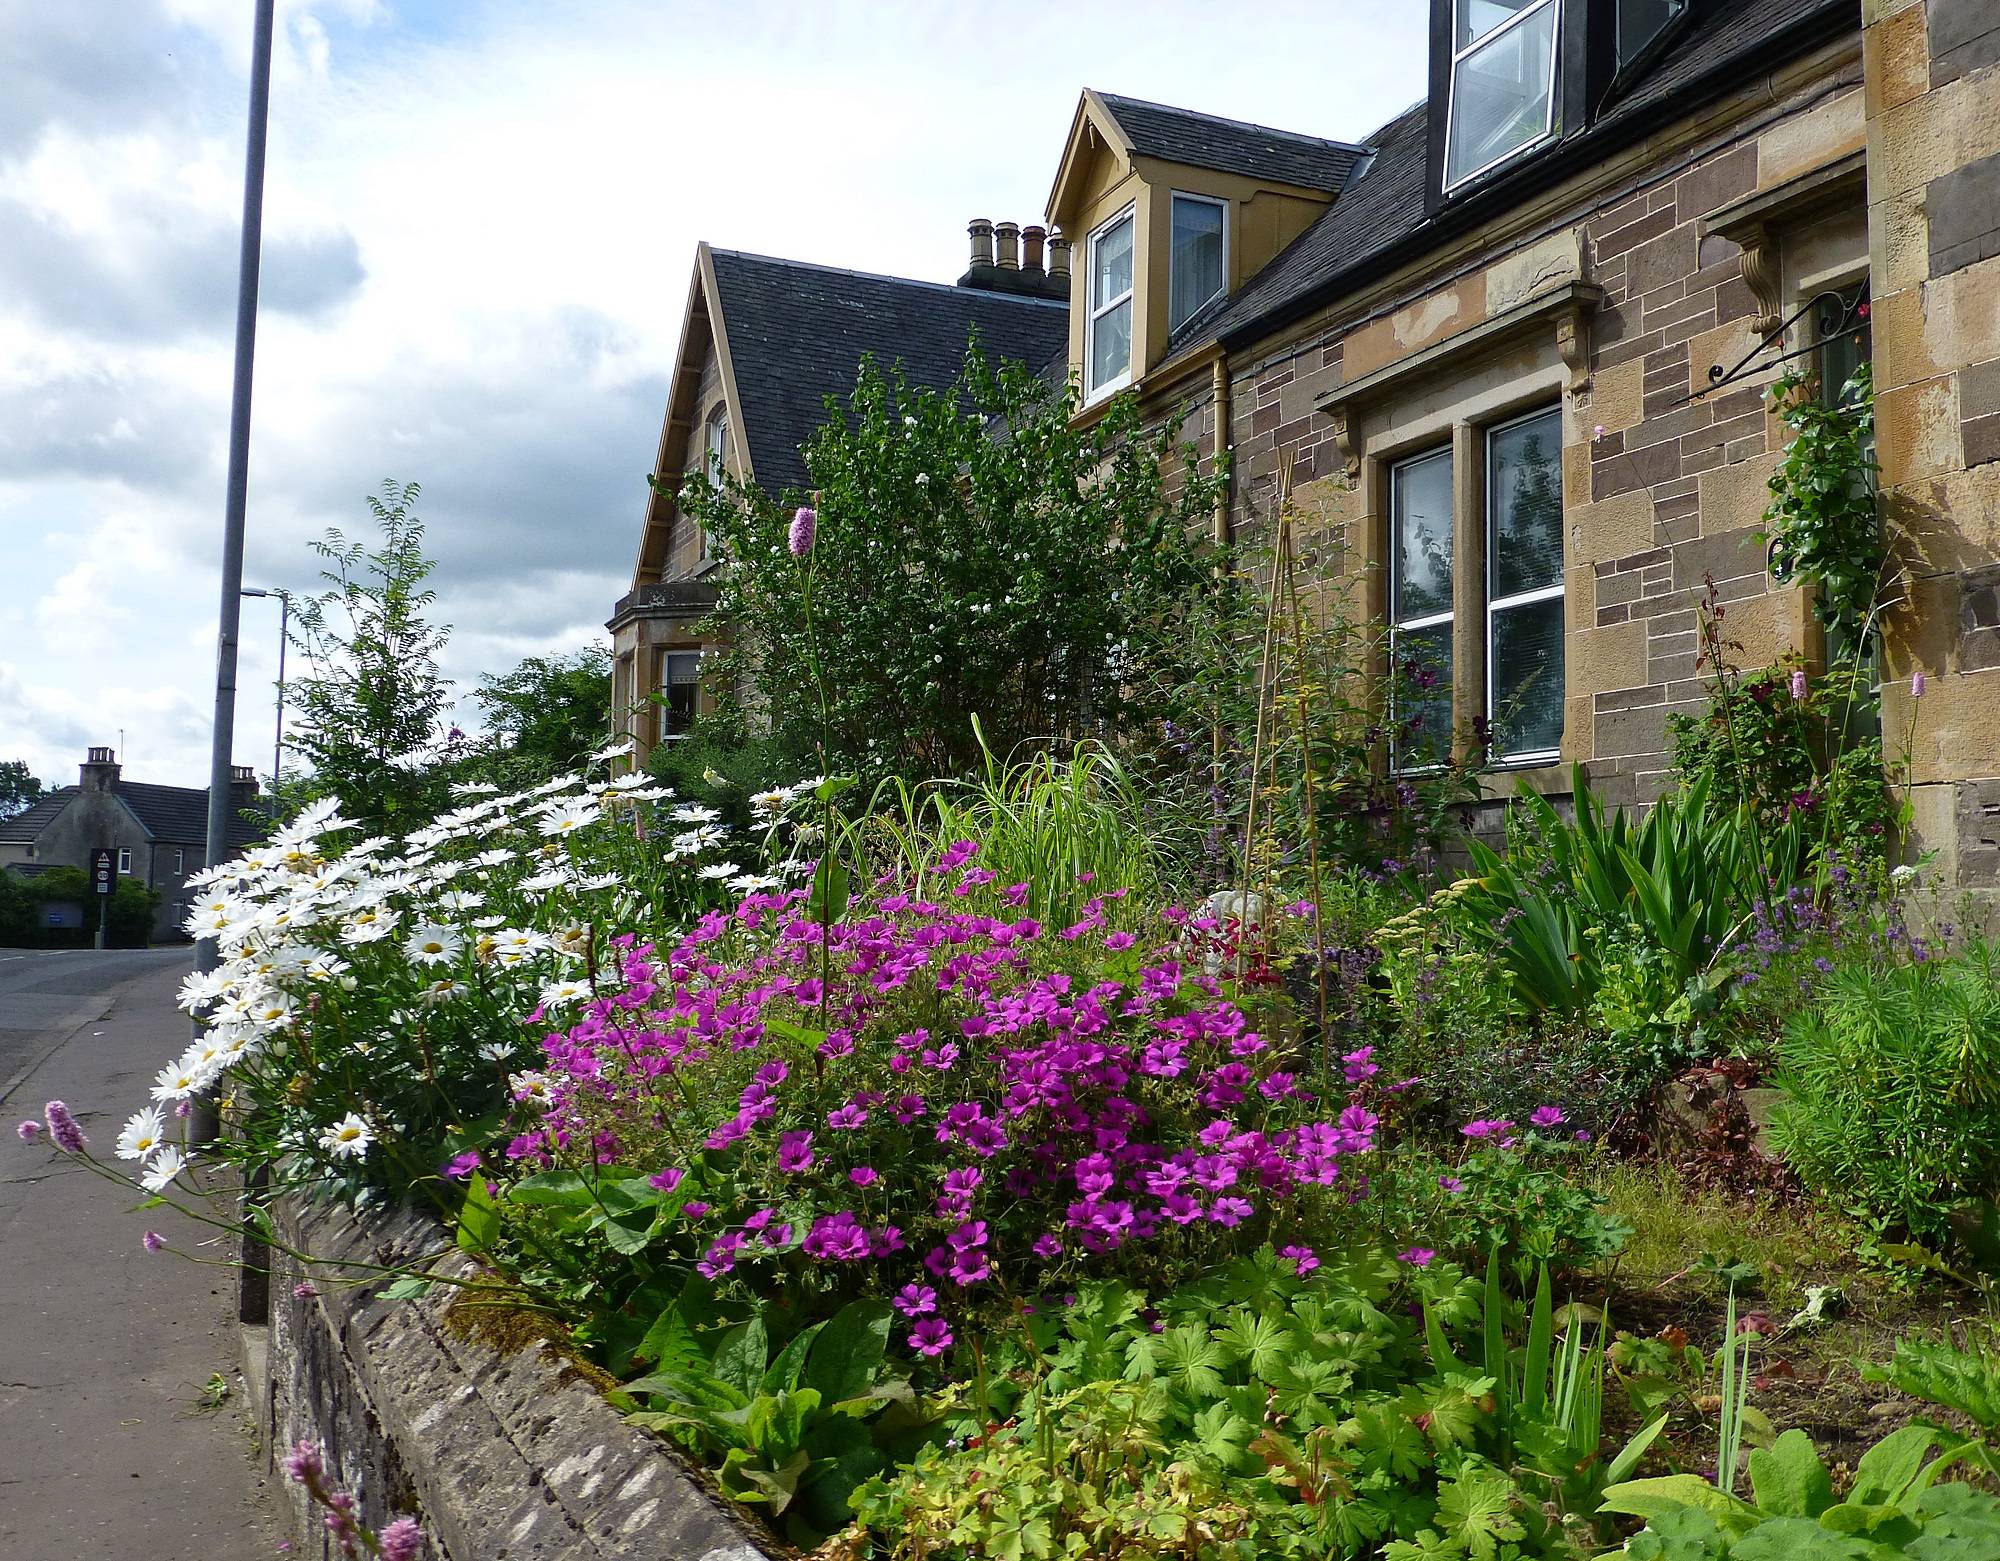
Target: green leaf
669	1344
1541	1334
478	1219
740	1356
1886	1469
1260	1341
408	1288
551	1187
847	1357
784	1371
626	1234
1477	1510
1671	1492
830	889
1630	1454
1788	1479
1801	1539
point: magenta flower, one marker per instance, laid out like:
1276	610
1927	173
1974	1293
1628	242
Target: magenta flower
304	1464
864	1176
63	1130
153	1241
1304	1259
668	1179
29	1130
1546	1116
1048	1245
931	1337
1417	1257
1484	1128
915	1300
304	1290
805	526
401	1540
458	1167
1118	942
795	1152
1451	1184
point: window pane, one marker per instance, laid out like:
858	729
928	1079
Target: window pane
1524	496
1197	260
1477	18
1111	344
683	667
1641	21
1528	677
1111	263
1422	542
1500	96
1422	686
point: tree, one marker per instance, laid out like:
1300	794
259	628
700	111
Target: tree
543	718
976	556
19	790
370	705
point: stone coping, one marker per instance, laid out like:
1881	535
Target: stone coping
500	1446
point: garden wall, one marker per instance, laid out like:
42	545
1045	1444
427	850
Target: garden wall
464	1416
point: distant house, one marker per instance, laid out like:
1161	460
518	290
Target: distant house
159	832
764	344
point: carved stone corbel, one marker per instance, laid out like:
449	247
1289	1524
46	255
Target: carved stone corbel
1763	275
1343	440
1573	346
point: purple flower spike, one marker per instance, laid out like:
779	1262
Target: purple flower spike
805	526
1798	683
29	1130
63	1129
1917	684
402	1540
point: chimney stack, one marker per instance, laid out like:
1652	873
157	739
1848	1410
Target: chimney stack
1059	261
99	772
243	786
982	241
1008	258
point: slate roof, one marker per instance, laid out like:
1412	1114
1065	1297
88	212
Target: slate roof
25	825
176	815
1380	218
179	814
1180	135
797	333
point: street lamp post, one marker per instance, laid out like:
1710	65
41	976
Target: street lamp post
284	636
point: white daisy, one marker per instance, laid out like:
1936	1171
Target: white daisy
530	1086
165	1166
718	870
694	813
440	992
433	945
567	819
144	1136
176	1081
558	994
348	1138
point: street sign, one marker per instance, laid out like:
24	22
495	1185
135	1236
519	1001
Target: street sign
103	870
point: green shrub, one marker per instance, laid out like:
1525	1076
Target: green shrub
1894	1079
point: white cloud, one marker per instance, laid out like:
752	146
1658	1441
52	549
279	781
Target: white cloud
479	226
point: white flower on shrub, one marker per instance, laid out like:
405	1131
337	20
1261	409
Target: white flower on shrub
348	1138
715	872
144	1136
558	994
162	1169
434	945
529	1086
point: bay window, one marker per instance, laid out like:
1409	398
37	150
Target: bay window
680	682
1420	609
1196	265
1107	346
1503	82
1524	584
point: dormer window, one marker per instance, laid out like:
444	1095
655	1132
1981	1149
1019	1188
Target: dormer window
1503	83
1199	260
1107	346
715	445
1641	22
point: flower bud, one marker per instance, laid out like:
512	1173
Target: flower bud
1917	684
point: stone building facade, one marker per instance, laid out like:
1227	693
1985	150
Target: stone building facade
159	833
1598	314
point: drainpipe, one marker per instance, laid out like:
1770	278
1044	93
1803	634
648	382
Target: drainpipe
1219	388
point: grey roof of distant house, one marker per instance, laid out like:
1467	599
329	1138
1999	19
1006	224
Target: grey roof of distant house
1180	135
177	815
797	334
26	825
1385	207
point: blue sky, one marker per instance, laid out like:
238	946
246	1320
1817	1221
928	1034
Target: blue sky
479	228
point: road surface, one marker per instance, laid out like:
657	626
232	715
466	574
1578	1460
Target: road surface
108	1445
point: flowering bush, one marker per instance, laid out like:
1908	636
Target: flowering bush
943	1104
367	1011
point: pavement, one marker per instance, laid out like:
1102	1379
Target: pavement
108	1446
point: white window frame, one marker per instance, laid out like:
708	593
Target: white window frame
180	860
1398	625
667	686
1222	282
1092	313
1451	84
125	861
714	451
1499	604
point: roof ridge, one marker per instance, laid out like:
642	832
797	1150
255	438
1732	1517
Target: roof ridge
1239	124
900	281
